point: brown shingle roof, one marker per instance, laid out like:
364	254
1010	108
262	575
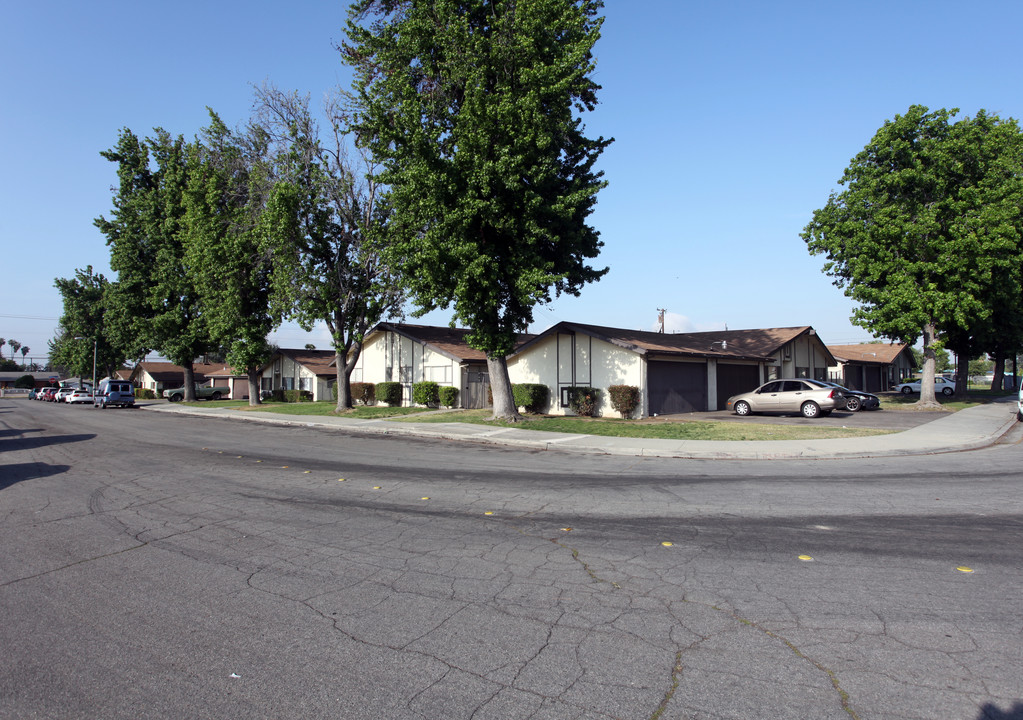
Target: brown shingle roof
881	353
446	340
316	361
757	344
171	375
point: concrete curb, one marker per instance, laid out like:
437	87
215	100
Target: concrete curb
971	429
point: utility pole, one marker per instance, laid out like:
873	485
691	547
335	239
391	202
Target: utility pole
660	318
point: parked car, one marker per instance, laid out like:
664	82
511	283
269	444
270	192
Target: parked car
941	385
802	395
48	394
34	393
114	393
79	396
856	400
1019	404
208	392
62	393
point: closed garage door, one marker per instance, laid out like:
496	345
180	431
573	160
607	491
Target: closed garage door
735	379
872	375
676	387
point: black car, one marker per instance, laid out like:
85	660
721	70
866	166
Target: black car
857	399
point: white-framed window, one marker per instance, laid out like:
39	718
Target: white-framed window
288	383
438	373
305	383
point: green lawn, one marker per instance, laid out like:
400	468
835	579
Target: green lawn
686	430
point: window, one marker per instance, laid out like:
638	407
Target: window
802	372
288	383
305	383
265	383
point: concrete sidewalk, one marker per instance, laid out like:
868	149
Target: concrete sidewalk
969	429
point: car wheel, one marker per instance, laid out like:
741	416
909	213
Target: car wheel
742	408
175	398
946	391
852	404
215	396
907	390
810	409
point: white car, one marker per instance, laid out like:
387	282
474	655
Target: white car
1019	404
941	385
79	396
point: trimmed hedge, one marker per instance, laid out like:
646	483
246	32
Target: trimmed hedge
291	396
624	399
144	394
531	396
584	401
389	393
364	392
426	393
448	396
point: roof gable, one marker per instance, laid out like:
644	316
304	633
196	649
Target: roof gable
447	341
881	353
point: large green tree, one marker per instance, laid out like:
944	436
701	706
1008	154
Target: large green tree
473	109
228	256
926	234
83	335
156	305
327	226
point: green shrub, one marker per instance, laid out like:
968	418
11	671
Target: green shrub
25	381
297	396
364	392
144	394
531	396
624	399
389	393
584	401
426	393
448	396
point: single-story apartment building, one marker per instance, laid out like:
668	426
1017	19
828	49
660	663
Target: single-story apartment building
675	373
309	370
408	353
871	367
160	376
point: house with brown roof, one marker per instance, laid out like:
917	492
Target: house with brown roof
407	353
309	370
675	373
160	376
871	367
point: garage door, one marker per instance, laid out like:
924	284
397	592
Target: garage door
735	379
872	375
676	387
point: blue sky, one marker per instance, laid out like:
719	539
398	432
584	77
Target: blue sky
733	121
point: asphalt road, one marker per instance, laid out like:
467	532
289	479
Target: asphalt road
162	566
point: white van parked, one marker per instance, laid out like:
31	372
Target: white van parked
114	393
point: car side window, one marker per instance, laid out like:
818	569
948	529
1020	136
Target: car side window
793	386
772	387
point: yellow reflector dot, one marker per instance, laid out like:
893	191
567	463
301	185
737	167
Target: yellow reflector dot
489	512
376	487
667	544
806	558
424	498
964	569
307	471
259	461
340	479
567	529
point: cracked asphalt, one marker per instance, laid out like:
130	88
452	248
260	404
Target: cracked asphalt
157	565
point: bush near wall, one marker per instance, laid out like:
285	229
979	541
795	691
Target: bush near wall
448	396
291	396
144	394
426	393
531	396
389	393
624	399
364	392
584	401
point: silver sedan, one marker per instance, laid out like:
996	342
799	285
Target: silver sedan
801	395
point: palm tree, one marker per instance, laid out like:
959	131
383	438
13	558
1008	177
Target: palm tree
24	352
14	347
2	341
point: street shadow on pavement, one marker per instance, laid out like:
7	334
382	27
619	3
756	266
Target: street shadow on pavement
29	471
993	712
31	443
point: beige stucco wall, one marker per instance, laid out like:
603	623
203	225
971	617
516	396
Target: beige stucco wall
390	357
804	352
282	367
563	360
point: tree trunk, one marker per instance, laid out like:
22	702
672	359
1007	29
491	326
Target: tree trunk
996	380
347	359
927	399
500	387
252	375
189	386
